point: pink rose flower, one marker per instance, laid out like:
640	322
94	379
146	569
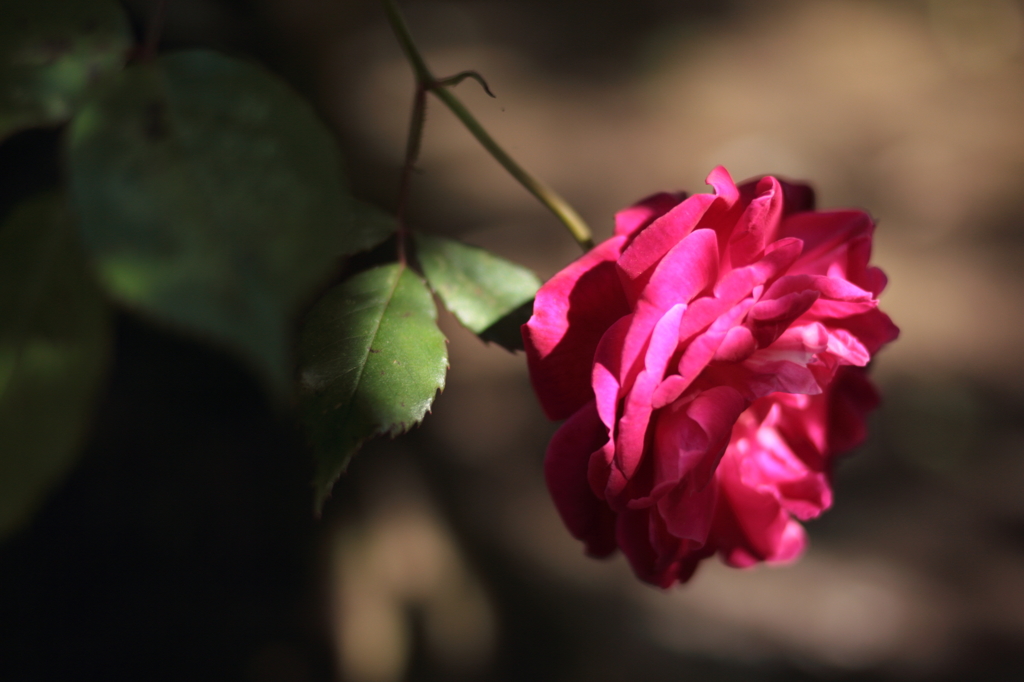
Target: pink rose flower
709	359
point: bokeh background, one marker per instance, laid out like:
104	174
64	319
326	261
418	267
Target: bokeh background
183	546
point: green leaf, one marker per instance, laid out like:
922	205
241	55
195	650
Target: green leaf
54	349
370	225
212	198
53	54
371	361
475	285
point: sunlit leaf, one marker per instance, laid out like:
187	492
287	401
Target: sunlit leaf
54	348
211	197
371	361
52	54
478	287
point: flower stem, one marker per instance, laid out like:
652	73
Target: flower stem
426	81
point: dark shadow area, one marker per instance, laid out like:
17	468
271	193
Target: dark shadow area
182	546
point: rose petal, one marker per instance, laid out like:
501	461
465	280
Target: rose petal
851	399
608	369
648	247
565	469
758	224
631	220
753	526
688	512
690	438
632	425
687	270
571	313
826	236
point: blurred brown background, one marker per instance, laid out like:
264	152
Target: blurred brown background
440	556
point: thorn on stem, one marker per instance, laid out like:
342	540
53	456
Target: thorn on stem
461	76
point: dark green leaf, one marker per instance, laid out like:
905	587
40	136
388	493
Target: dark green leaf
370	225
52	54
476	286
54	347
211	197
371	361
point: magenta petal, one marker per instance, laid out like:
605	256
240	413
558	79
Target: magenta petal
807	496
829	287
790	545
655	555
797	197
851	398
688	512
605	378
784	376
633	533
630	220
737	345
650	245
725	188
847	348
761	530
769	464
668	391
571	313
679	446
565	468
788	365
778	257
716	411
686	270
631	434
758	224
825	236
873	328
689	439
703	347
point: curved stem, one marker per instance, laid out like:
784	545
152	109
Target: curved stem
426	81
547	196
